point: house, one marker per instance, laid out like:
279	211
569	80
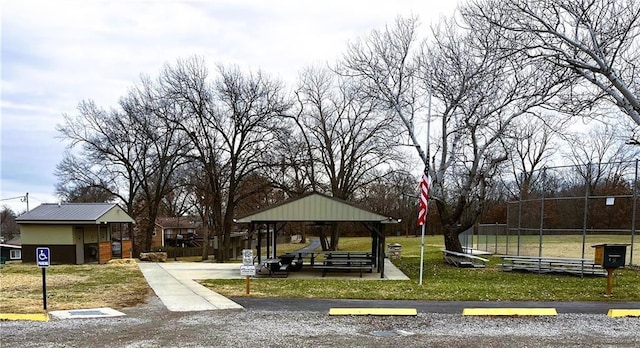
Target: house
176	231
10	252
188	231
76	233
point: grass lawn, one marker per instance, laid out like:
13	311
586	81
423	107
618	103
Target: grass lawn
122	285
70	287
441	281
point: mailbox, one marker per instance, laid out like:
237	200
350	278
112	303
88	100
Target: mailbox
610	255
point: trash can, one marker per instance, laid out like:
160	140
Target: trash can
394	251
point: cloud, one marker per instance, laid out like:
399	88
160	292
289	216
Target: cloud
58	53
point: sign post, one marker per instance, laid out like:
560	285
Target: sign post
43	260
247	269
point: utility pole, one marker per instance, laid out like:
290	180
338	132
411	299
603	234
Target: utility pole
24	198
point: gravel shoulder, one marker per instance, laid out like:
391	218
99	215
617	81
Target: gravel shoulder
151	325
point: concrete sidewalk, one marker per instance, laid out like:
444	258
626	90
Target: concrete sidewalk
174	282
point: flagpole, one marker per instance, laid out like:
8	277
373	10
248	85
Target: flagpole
426	163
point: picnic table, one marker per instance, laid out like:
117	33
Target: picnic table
345	264
313	255
335	260
276	267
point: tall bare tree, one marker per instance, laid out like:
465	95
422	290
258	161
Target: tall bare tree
233	122
350	139
479	88
103	154
134	147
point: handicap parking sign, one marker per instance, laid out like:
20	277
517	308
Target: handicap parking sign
43	257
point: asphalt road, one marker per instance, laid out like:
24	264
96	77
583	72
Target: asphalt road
444	307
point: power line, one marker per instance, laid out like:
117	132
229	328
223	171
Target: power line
24	198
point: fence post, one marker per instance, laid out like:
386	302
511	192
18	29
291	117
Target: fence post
585	217
633	217
544	176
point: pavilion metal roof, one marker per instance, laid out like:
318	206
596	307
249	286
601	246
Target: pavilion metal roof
314	207
75	213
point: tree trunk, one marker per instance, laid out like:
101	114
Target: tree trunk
227	252
205	244
335	237
451	240
323	238
207	233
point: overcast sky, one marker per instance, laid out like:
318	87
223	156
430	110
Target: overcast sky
58	53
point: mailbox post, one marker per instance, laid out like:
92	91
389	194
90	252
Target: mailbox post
610	257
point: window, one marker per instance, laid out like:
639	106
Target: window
15	254
168	233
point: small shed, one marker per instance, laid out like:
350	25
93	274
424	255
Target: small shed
318	208
76	233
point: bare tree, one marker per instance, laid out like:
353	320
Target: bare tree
482	88
104	154
134	149
8	225
350	140
385	64
596	40
81	180
599	155
233	123
479	88
531	147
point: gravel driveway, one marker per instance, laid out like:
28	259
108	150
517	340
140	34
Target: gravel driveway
151	325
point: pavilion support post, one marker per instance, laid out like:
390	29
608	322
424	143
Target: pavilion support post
380	229
259	244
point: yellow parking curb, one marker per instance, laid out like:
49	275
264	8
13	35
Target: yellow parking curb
510	311
27	317
373	311
616	313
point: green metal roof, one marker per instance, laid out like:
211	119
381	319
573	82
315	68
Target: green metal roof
313	207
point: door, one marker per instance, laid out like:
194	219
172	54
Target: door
79	238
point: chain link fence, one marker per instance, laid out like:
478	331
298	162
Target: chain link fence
566	212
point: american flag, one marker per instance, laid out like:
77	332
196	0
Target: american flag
425	184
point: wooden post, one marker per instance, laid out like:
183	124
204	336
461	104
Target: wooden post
248	284
609	280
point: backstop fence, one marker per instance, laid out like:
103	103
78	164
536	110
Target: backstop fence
567	211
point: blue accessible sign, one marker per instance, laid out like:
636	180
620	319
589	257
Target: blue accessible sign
43	257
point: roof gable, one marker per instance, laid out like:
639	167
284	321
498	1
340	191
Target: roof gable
313	207
75	212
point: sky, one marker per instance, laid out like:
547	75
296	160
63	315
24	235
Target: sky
58	53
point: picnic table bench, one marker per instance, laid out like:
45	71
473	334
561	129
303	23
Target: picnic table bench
313	255
345	264
539	264
463	260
